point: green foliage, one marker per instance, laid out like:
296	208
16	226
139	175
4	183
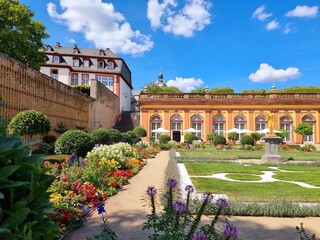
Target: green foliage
164	138
154	88
247	140
256	91
130	137
29	122
219	140
189	138
83	88
304	129
300	89
24	198
21	36
221	90
282	133
74	141
303	234
199	90
209	137
140	131
256	136
100	136
115	135
165	146
152	139
233	136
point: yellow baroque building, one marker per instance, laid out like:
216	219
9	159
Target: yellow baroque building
217	113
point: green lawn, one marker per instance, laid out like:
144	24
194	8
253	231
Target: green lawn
261	192
248	154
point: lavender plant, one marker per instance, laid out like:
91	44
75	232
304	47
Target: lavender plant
177	222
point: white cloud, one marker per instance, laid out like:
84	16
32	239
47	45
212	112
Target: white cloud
272	25
72	40
287	28
303	11
194	16
267	73
185	84
260	13
101	24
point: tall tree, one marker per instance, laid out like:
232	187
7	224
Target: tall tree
21	37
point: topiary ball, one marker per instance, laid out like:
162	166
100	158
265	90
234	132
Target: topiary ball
100	136
247	140
74	141
219	140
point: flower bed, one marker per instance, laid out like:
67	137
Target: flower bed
82	185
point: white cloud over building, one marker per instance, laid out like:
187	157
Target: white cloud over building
185	84
267	73
101	24
193	16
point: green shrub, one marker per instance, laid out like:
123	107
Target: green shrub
29	122
83	88
164	139
209	137
309	147
115	135
189	138
233	136
130	137
256	136
140	131
219	140
165	146
74	141
247	140
24	200
152	139
100	136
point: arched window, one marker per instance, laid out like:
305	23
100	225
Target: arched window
261	123
286	124
155	124
310	120
196	123
218	125
176	123
240	123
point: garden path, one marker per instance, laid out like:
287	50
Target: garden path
127	212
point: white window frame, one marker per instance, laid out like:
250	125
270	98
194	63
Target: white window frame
74	78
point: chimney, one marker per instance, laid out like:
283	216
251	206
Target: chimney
57	44
108	49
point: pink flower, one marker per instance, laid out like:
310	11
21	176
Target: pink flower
64	179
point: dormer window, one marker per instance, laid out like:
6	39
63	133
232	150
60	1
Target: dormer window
56	59
101	53
111	64
76	62
49	48
86	63
100	64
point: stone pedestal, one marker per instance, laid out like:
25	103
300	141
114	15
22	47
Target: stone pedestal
271	149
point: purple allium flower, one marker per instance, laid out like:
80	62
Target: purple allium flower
172	182
189	188
200	236
179	207
101	208
151	191
207	196
230	231
221	202
72	158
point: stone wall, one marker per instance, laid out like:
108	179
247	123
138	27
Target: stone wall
104	109
22	88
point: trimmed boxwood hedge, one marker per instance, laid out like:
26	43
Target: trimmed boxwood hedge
74	141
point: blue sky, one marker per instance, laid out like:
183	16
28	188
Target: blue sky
242	44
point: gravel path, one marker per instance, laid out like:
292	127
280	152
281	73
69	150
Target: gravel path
127	212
